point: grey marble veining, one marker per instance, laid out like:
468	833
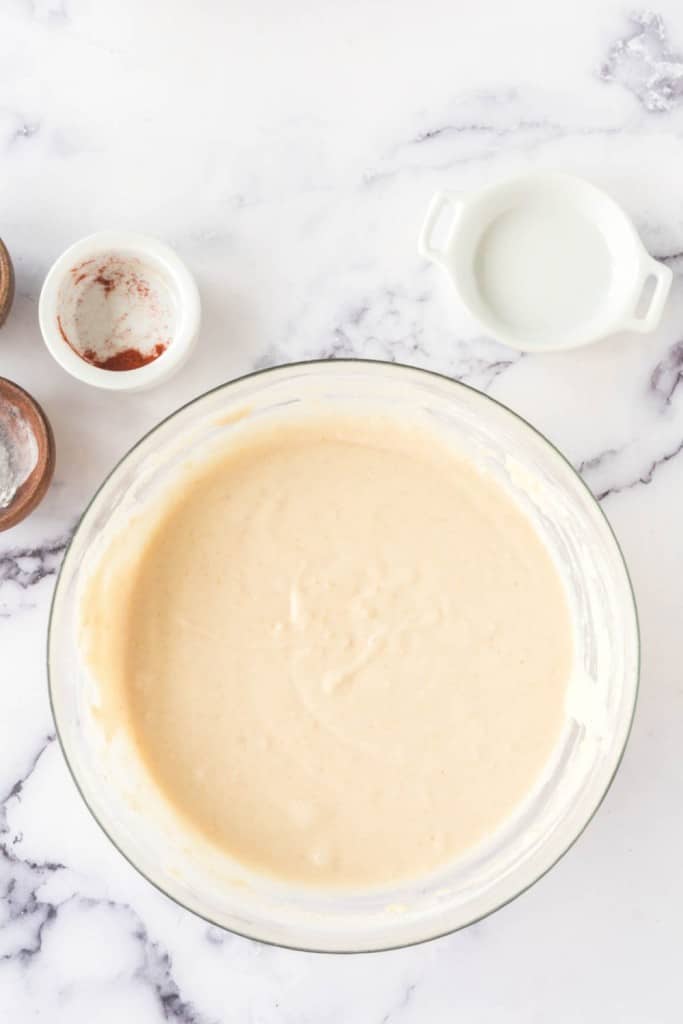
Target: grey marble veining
644	63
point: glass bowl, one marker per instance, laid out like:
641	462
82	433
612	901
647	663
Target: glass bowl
601	696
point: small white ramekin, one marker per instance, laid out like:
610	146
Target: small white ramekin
166	265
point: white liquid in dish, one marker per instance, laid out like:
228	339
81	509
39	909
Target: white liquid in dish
541	268
341	652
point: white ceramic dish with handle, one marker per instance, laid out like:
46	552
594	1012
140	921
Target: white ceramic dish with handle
600	703
545	261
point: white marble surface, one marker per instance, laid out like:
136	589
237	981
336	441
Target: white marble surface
288	152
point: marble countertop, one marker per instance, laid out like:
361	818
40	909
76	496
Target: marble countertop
288	152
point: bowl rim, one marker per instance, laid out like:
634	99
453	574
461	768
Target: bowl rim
34	488
421	372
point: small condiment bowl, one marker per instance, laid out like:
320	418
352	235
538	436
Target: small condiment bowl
6	283
116	295
18	406
546	261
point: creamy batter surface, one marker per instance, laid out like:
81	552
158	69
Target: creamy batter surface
341	651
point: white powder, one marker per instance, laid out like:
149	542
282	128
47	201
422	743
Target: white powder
18	452
6	490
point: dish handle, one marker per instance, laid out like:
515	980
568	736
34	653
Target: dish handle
438	204
662	276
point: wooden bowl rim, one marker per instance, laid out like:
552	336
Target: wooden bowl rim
35	486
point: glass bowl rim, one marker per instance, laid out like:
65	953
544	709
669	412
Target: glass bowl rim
420	371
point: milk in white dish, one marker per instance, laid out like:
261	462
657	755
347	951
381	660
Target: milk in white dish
540	266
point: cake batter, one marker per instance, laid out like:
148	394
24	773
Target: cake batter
341	651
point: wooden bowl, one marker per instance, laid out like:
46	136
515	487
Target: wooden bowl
31	492
6	283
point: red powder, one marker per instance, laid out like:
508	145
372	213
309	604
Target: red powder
128	359
114	275
80	272
107	283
